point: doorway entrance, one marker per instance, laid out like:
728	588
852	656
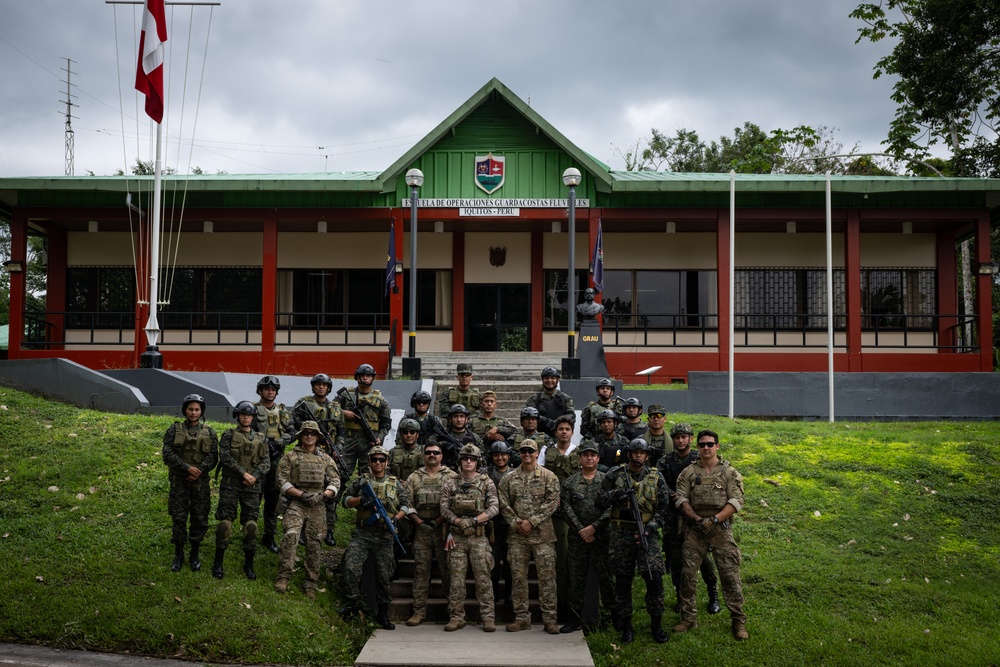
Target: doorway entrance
497	317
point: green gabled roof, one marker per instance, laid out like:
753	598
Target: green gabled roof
599	172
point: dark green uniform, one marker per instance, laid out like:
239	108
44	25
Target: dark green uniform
578	507
375	410
449	396
186	446
240	453
589	428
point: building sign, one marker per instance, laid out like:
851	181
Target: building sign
517	202
489	212
489	172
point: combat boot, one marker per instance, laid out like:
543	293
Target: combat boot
330	540
454	624
713	600
309	593
178	558
415	620
656	629
628	635
382	617
684	626
517	626
740	631
489	625
217	571
194	560
248	555
281	586
269	544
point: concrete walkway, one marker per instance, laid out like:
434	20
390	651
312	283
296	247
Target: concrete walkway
25	655
428	645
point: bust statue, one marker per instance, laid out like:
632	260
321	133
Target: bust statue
588	310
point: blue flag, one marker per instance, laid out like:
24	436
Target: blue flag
390	259
597	262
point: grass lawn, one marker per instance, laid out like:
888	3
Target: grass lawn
863	544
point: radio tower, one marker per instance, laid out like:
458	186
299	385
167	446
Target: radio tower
69	116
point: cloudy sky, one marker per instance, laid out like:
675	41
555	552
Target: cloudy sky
314	85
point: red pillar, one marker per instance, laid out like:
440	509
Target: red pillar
722	280
458	291
269	291
396	295
55	284
852	289
537	291
984	294
18	253
947	291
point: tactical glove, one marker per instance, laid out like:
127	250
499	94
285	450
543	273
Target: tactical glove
312	499
367	502
621	497
650	529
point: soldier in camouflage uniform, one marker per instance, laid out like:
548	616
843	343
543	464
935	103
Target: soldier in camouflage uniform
633	427
423	487
529	431
468	502
529	497
190	450
561	458
709	494
464	394
244	462
487	424
551	402
606	400
609	441
307	478
498	468
656	436
456	435
671	465
420	402
625	548
588	538
274	422
327	414
408	454
371	537
373	408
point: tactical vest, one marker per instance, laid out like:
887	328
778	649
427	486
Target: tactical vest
308	471
386	492
469	399
369	410
428	496
645	493
469	498
268	421
327	413
405	461
563	465
192	448
708	494
247	449
553	406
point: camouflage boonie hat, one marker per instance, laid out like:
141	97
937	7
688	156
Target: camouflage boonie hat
464	369
488	392
378	450
308	426
681	429
655	410
528	443
409	425
588	446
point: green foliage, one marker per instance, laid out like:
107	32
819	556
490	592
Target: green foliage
947	74
863	543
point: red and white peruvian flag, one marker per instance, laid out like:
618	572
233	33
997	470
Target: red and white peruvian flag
149	73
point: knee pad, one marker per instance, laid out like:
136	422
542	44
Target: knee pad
224	530
250	531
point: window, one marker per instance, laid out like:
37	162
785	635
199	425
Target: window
660	299
107	291
556	292
434	294
898	298
326	297
787	299
197	295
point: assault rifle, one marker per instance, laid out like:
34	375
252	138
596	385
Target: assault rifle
633	503
454	444
379	514
348	402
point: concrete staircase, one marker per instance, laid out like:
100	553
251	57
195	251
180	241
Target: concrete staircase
512	375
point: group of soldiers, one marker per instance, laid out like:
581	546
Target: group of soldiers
477	493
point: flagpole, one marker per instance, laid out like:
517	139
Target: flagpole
152	358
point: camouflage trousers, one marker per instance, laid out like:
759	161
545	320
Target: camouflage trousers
355	454
627	556
520	556
578	560
367	540
673	542
299	517
475	551
189	499
232	499
727	559
428	544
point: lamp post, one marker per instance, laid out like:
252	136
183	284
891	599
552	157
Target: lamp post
571	179
414	179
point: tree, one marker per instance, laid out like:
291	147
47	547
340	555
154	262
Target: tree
947	60
144	168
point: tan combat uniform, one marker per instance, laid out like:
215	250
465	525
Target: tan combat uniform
462	500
